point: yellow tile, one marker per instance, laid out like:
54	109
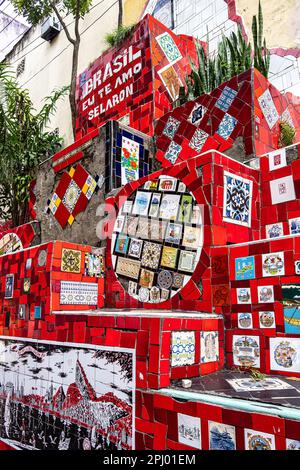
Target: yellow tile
70	220
71	172
85	188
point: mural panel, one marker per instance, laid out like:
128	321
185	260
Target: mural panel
61	396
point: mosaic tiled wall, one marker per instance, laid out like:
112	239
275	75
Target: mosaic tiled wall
225	121
262	316
184	239
213	18
280	192
70	188
137	81
219	121
270	108
166	348
158	251
166	423
20	237
51	277
129	155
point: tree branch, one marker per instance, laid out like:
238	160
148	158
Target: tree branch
72	41
77	34
120	15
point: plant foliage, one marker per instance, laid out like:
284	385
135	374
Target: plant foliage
287	134
37	10
117	36
234	56
261	53
24	142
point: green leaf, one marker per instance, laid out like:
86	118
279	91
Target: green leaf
24	142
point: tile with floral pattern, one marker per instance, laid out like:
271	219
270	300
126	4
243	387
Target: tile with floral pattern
227	126
173	152
171	127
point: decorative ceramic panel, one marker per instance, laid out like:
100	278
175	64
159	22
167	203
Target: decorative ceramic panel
171	127
94	265
290	294
292	320
183	348
26	285
141	203
291	308
237	199
197	114
268	108
257	440
173	152
198	140
22	312
189	430
78	293
274	230
267	320
171	81
9	243
286	117
128	268
128	154
273	264
277	159
292	444
9	286
227	126
37	313
285	354
161	248
63	396
297	267
245	320
42	258
209	346
265	294
221	436
294	225
71	260
282	190
169	47
246	352
129	160
251	385
72	195
243	295
169	206
226	99
244	268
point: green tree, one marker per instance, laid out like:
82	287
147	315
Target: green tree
24	142
37	10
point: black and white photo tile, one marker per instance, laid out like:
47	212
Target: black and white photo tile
61	396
